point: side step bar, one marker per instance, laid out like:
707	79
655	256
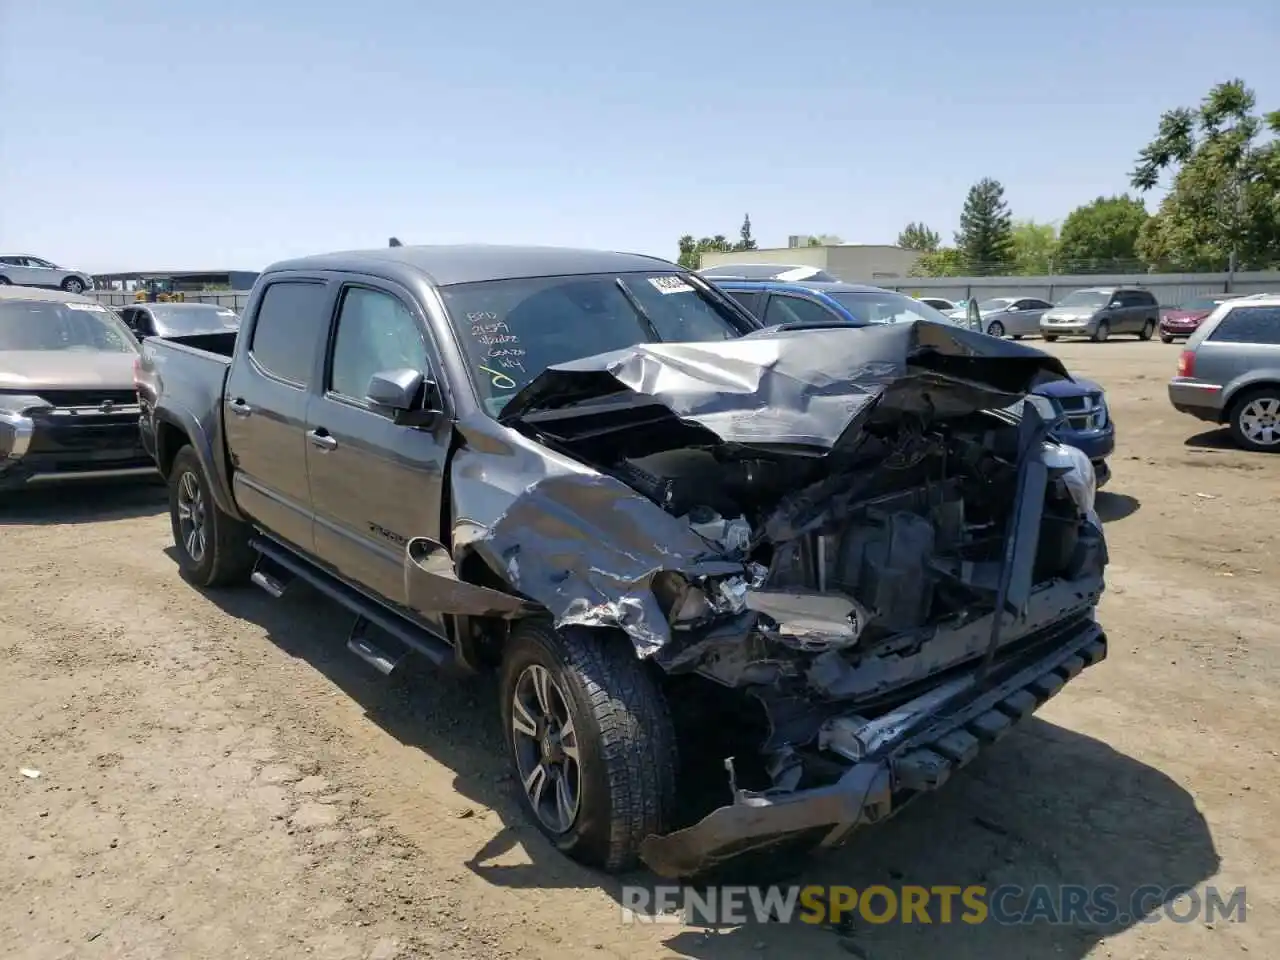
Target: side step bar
282	567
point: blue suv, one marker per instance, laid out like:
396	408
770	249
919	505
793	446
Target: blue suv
1087	421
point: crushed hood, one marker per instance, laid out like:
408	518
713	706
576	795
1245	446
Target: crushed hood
802	388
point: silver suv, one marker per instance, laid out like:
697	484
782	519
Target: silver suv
1230	372
24	270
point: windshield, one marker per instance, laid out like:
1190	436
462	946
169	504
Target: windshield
1086	298
46	325
996	303
512	330
1204	303
174	321
884	306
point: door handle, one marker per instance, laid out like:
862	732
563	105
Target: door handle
240	408
320	437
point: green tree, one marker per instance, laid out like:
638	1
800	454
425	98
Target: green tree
943	262
691	250
917	236
1102	236
746	240
1034	247
985	238
1223	205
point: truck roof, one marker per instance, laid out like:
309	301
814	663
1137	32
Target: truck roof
445	265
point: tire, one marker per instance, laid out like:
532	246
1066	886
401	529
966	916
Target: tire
1165	338
623	735
995	329
1262	404
73	285
222	555
1101	332
1050	338
4	281
1017	336
1148	329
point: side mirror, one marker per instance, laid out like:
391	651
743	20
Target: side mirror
406	393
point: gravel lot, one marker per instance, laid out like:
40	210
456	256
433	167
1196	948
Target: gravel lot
218	778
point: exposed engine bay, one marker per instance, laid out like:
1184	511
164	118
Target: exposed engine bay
868	571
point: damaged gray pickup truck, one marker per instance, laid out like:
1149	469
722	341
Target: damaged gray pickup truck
744	588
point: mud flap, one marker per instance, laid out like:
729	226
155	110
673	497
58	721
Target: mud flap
431	586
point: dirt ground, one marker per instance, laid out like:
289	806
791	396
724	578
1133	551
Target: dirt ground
219	778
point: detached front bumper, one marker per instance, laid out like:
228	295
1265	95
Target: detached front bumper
912	751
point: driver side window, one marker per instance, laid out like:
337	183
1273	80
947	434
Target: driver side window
376	332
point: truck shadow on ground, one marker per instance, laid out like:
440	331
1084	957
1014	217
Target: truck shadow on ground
88	501
1045	806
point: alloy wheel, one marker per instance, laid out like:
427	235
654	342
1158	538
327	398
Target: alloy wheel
192	519
1260	421
546	748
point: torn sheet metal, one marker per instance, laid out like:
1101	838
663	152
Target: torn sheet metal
581	544
803	388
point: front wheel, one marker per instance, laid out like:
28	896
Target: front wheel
73	285
1102	332
1148	329
1050	338
1255	420
1165	338
213	547
995	328
591	741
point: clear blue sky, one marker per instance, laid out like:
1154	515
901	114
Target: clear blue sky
157	134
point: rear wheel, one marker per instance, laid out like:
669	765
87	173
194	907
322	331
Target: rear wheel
73	285
591	741
1166	338
4	281
1148	329
1102	332
995	328
1255	420
213	547
1050	338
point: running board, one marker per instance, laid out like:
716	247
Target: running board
383	658
407	634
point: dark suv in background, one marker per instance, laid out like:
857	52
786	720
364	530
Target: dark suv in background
1098	312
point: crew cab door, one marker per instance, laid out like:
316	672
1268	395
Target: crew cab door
374	484
264	406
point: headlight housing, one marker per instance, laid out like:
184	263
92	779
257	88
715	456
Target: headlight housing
1081	480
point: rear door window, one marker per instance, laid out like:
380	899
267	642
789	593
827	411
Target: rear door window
292	320
784	308
1249	325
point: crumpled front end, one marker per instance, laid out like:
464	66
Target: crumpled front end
841	535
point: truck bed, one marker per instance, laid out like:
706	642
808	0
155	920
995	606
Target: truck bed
190	373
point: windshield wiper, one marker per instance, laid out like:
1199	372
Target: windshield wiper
638	307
